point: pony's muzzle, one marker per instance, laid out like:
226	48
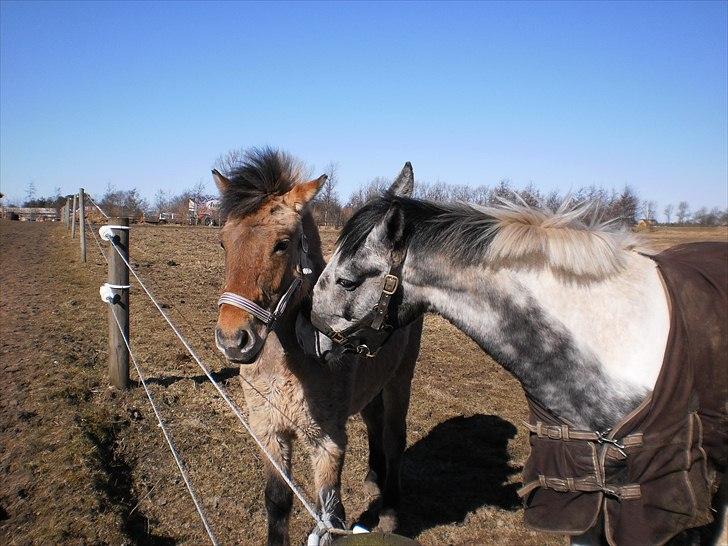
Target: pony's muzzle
242	346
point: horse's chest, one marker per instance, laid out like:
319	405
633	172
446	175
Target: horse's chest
279	402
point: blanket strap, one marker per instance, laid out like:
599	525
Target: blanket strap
587	484
567	434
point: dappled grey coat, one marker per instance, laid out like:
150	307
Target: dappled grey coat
674	444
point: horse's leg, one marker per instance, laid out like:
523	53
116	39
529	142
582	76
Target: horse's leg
327	459
373	415
395	397
278	496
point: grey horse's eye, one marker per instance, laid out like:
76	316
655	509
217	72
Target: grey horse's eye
346	284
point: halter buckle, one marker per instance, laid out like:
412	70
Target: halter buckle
365	351
391	282
338	337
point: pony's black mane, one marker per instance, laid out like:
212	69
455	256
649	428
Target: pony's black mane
458	229
261	173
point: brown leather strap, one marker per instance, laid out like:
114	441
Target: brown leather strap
565	433
391	282
562	432
587	484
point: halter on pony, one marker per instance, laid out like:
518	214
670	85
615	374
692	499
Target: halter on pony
264	315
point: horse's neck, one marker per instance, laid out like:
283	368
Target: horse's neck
588	352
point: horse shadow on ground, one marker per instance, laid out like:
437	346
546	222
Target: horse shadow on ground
460	466
223	374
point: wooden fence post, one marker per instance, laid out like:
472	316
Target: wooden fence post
119	276
82	223
67	215
73	217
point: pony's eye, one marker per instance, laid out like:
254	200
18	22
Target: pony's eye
222	245
281	245
346	284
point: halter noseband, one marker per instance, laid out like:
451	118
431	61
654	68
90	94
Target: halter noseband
367	335
264	315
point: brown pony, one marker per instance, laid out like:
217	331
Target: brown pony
271	242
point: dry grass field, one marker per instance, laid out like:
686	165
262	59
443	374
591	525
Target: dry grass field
81	464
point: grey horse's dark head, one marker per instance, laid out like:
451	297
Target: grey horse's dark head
371	250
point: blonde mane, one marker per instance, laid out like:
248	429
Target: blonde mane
566	240
571	240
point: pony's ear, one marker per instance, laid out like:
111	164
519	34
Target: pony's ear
221	182
391	229
405	182
301	194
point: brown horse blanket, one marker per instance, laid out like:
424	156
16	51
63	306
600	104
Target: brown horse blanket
652	475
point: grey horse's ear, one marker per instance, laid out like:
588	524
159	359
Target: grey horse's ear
405	182
391	229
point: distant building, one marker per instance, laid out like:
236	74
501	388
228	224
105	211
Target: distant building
646	224
31	214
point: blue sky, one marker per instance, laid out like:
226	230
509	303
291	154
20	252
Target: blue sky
561	94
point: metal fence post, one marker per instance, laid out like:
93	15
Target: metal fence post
73	217
67	212
119	277
82	223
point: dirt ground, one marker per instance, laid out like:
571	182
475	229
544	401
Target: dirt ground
80	463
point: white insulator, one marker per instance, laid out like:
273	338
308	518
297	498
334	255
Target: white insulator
107	232
106	293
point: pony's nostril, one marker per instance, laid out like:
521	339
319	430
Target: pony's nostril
242	338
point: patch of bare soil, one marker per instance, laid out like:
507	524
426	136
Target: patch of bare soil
81	463
61	481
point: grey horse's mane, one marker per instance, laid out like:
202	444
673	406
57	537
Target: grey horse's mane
570	240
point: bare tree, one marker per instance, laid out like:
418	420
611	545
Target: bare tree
327	206
160	201
123	202
226	163
668	212
683	212
198	191
649	209
372	189
502	191
30	191
627	206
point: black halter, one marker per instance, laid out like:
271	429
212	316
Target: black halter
367	335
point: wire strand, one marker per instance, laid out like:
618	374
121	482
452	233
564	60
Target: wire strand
233	406
167	435
222	360
98	244
98	207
